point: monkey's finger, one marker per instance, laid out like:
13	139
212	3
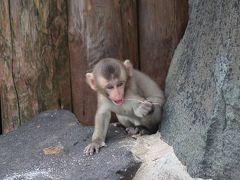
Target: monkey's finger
147	103
144	108
147	107
87	151
97	149
144	113
147	110
91	151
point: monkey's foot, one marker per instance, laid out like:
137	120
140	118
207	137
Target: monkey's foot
132	130
137	131
116	124
93	148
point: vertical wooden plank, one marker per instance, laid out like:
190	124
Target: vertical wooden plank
39	60
97	29
161	26
128	15
9	104
40	63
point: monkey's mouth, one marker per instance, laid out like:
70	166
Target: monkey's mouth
118	102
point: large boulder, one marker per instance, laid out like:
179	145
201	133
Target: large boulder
201	116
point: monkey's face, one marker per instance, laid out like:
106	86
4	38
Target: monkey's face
115	90
109	78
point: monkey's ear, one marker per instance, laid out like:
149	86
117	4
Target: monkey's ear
127	63
91	81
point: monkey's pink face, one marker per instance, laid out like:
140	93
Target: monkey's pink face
115	91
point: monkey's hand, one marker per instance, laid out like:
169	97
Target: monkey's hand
143	109
93	147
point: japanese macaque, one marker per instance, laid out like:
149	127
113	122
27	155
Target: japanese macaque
133	96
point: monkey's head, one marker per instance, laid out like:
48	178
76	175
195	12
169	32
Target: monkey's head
109	77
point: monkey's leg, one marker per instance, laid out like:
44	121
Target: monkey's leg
139	130
132	125
152	121
127	123
124	120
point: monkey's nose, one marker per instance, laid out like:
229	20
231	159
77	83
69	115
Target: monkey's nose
118	102
117	95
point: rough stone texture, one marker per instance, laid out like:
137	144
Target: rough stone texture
201	116
22	156
22	153
158	160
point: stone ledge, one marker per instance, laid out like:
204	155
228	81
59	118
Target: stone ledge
22	155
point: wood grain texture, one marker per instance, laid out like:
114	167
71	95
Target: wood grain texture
161	26
46	47
37	76
9	103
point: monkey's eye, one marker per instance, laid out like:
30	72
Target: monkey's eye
109	87
120	84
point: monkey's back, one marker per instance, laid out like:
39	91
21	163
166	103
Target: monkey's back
146	84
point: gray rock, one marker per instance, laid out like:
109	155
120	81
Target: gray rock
22	156
201	116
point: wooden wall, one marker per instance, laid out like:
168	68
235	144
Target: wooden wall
46	47
98	29
161	26
35	74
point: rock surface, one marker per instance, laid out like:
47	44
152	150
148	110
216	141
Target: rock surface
26	153
201	115
22	155
158	160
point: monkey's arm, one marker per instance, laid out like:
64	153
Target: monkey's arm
143	109
102	119
141	106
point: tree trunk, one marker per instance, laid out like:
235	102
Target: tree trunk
36	64
161	26
98	29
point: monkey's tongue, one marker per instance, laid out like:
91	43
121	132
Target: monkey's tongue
118	102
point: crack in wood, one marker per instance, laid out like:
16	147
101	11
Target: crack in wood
12	68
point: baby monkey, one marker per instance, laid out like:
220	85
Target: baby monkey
133	96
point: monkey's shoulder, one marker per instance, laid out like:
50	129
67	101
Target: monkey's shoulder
143	84
141	77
